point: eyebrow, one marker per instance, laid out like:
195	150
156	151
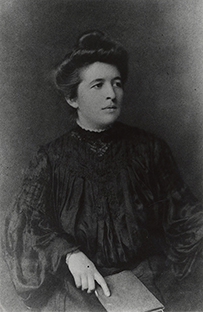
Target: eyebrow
102	79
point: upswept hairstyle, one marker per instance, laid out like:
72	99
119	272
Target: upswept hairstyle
93	46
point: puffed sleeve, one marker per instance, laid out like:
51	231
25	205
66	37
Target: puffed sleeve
182	215
34	245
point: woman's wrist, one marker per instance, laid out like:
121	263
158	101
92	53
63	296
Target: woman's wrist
70	254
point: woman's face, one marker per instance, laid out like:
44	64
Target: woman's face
99	96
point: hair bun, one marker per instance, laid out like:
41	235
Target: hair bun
92	40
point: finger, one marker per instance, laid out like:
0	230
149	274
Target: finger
101	281
91	284
77	280
84	282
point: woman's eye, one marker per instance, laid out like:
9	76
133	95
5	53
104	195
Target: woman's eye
98	85
118	84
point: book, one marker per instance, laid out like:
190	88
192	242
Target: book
128	294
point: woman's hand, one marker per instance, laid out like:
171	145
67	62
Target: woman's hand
85	273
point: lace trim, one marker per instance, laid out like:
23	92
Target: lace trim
97	142
91	130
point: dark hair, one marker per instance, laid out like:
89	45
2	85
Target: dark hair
92	46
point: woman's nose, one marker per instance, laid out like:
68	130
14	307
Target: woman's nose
110	92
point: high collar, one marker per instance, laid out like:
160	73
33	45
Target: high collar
105	136
92	130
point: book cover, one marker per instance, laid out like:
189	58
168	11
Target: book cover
128	294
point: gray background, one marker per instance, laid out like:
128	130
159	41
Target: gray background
164	93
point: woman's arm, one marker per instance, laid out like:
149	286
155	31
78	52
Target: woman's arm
34	245
182	215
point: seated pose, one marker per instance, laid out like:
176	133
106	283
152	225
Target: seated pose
102	198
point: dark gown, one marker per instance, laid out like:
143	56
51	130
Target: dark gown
115	195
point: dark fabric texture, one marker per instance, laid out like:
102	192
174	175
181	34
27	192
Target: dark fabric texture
116	195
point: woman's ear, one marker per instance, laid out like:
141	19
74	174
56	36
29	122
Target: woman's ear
72	102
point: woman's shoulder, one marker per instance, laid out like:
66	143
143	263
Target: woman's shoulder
135	134
143	141
56	147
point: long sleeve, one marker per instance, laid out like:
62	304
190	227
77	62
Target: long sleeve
182	215
34	243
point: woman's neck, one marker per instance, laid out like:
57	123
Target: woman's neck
91	129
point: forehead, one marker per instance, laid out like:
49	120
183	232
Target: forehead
99	70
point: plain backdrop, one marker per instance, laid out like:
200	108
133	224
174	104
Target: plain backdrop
164	92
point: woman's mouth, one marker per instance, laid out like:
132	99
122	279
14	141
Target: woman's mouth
110	107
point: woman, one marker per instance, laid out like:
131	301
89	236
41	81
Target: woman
102	198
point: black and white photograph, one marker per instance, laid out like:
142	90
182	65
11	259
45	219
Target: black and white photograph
101	156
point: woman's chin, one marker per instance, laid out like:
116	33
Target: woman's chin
110	119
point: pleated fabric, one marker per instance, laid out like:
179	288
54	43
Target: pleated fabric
116	195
